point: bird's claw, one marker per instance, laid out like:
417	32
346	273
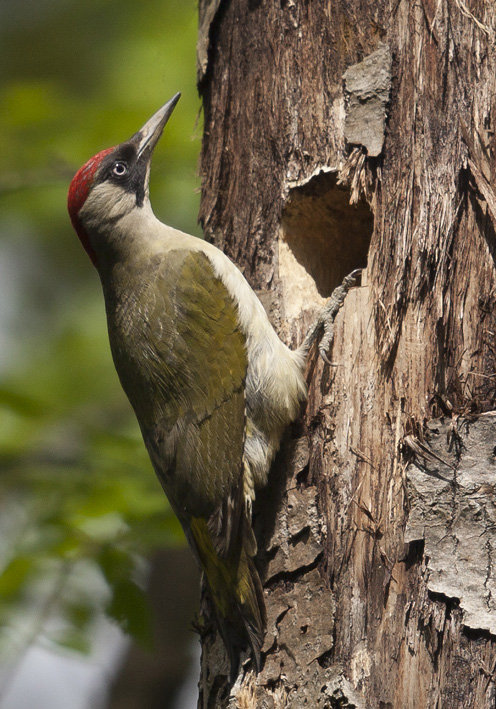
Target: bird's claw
323	354
330	311
351	277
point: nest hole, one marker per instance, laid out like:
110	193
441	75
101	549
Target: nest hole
323	238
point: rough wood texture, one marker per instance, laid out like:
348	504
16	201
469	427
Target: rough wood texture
451	490
358	613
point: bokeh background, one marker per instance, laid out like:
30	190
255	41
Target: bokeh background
89	550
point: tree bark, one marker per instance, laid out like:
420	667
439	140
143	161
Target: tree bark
360	133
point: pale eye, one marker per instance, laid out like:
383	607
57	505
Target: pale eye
119	169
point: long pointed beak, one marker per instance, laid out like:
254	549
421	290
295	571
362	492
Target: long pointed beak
148	136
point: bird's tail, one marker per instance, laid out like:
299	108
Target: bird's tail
236	592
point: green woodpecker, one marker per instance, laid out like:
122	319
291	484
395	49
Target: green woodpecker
212	385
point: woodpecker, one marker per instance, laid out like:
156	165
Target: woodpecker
212	385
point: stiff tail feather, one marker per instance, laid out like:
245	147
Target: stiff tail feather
236	593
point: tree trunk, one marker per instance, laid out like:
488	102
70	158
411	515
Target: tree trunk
360	133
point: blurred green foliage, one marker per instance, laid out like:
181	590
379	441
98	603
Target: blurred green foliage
79	503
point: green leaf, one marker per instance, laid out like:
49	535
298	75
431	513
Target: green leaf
15	576
129	607
20	403
72	639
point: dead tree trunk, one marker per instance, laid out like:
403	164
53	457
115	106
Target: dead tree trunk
340	134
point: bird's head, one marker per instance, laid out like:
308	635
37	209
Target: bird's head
114	182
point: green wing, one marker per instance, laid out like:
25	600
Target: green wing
192	409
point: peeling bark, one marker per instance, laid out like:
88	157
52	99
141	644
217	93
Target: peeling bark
367	87
377	556
207	14
452	484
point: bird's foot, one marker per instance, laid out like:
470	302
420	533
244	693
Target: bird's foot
326	317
